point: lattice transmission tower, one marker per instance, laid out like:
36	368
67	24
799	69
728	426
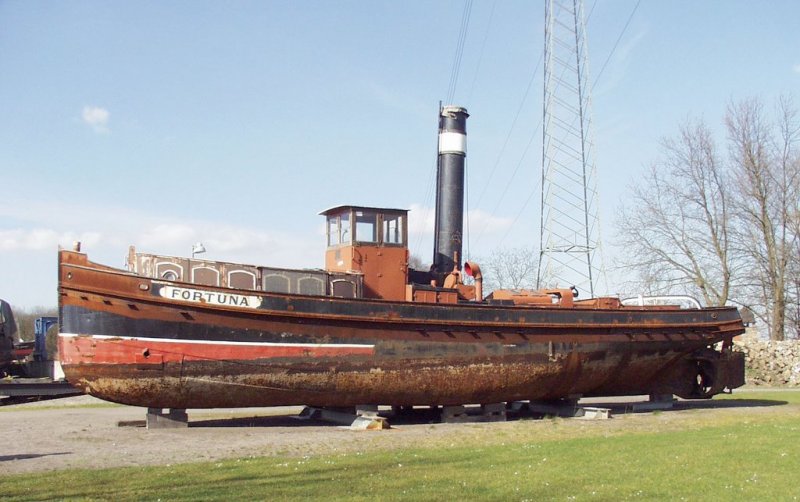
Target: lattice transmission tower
569	222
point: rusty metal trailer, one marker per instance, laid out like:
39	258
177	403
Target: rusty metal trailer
27	373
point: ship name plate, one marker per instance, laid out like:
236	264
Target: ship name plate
210	297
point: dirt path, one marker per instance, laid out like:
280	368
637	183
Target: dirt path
83	433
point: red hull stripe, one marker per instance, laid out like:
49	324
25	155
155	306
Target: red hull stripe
105	349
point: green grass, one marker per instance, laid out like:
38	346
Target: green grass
750	460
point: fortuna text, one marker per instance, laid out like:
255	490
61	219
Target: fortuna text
210	297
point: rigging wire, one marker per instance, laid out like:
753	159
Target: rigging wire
508	185
462	37
603	270
591	10
519	213
429	191
466	209
510	131
480	56
451	90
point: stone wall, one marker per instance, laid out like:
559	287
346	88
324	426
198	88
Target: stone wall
770	362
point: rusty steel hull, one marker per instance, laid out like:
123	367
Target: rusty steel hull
145	342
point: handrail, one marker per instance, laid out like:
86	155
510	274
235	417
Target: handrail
653	300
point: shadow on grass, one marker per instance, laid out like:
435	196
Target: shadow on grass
425	415
728	403
619	408
258	421
26	456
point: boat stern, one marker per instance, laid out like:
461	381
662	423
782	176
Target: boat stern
706	373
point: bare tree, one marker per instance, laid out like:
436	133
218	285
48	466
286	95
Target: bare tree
793	291
509	268
726	228
415	262
765	161
675	228
26	320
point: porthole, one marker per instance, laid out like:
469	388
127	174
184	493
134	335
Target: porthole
170	275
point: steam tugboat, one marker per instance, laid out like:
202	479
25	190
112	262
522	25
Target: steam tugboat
367	329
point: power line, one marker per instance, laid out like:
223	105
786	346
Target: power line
510	181
505	143
624	29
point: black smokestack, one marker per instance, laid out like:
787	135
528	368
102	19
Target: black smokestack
450	188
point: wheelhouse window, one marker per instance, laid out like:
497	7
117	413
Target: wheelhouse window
346	235
339	229
353	225
366	226
393	229
333	230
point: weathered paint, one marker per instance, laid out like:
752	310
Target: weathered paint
133	345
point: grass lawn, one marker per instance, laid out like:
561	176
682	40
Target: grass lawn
749	456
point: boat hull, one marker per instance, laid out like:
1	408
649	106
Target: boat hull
144	342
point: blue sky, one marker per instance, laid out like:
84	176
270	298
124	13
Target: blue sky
160	124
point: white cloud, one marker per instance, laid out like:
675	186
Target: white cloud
166	235
484	228
796	68
43	225
97	118
421	220
39	239
483	221
618	65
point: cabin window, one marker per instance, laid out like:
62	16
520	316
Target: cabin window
169	271
241	279
393	229
366	225
333	230
311	286
208	276
275	283
343	288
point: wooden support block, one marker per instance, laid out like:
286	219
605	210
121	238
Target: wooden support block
454	414
172	419
494	412
592	413
517	406
399	410
367	420
367	409
560	408
656	402
369	423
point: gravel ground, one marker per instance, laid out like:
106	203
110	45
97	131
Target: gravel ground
82	432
